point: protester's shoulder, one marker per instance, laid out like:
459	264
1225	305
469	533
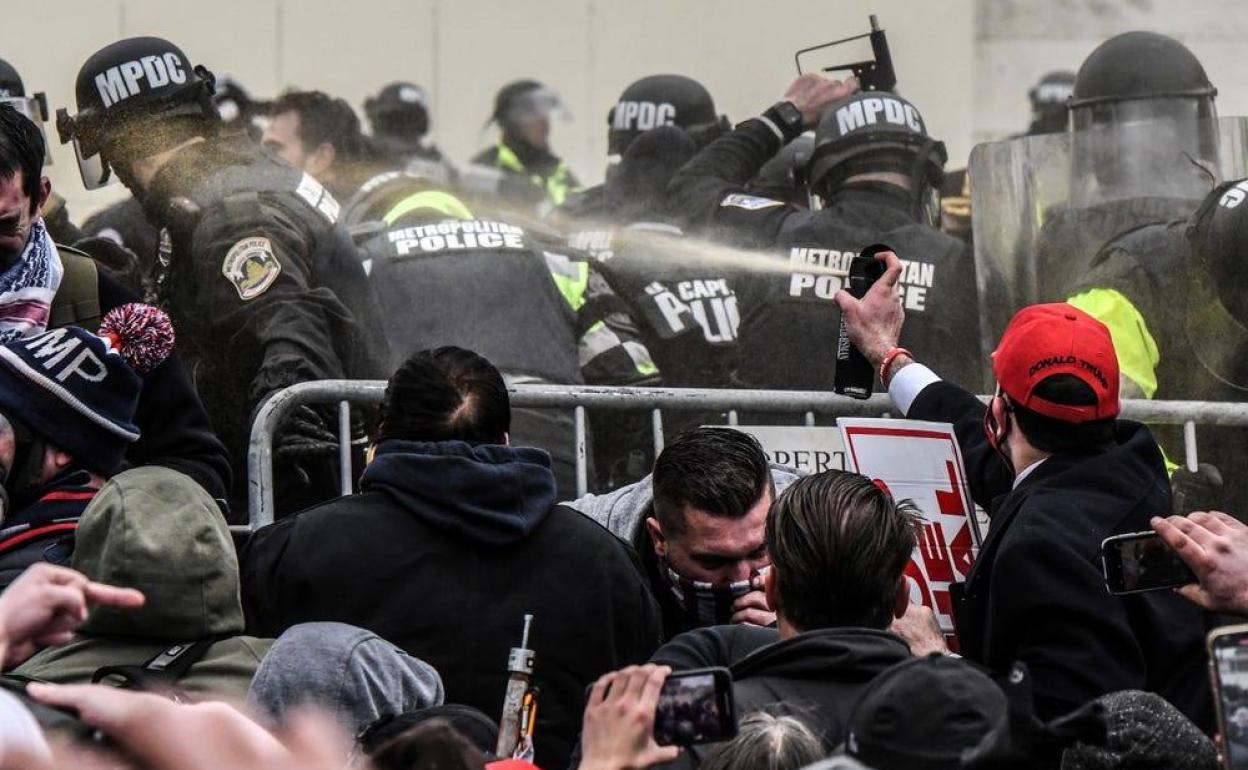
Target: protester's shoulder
713	646
621	511
578	527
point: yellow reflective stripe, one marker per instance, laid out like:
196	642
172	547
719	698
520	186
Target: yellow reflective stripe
508	160
556	185
1171	465
1134	344
436	200
571	279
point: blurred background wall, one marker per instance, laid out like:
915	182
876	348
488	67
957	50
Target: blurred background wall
967	64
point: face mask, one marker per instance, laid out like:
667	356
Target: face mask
708	603
996	432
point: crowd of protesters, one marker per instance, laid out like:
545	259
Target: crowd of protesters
464	609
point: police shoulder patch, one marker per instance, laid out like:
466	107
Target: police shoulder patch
251	266
748	202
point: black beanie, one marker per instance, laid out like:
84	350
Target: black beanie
79	391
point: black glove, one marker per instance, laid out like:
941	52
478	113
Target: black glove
1199	491
120	263
304	434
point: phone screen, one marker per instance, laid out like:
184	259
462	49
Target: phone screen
692	709
1230	654
1142	562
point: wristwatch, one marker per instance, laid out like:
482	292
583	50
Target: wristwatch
787	117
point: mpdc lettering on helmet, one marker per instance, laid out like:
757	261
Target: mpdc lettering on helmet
122	81
870	111
1234	196
643	116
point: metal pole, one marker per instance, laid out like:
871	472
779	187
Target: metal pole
733	419
582	464
344	448
656	428
1189	445
810	419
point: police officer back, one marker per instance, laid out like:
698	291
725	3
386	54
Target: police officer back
877	171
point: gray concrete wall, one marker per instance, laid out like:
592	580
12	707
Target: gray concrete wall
463	50
966	63
1017	41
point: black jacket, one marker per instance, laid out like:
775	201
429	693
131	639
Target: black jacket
788	316
1037	592
443	552
264	290
816	675
175	431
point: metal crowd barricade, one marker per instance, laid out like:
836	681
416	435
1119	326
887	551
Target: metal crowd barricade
579	398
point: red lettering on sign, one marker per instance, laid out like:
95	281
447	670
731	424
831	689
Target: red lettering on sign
950	502
915	574
935	554
961	548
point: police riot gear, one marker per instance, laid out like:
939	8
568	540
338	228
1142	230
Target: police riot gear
789	321
1173	299
540	312
1144	146
122	87
1048	100
662	100
523	174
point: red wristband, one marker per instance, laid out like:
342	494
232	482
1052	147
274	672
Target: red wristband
887	363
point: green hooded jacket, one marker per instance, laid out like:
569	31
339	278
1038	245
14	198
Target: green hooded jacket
156	530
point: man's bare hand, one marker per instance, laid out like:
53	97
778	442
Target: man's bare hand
752	608
1215	546
164	735
920	629
618	731
46	603
813	94
874	322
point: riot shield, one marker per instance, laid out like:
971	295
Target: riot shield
1043	206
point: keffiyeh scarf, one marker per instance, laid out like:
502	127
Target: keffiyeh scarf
27	288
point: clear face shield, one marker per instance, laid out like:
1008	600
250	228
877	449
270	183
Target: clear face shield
1164	148
35	109
92	167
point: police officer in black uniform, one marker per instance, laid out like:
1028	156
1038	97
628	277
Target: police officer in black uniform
528	174
877	171
1175	298
651	102
1144	141
446	275
399	118
13	93
265	291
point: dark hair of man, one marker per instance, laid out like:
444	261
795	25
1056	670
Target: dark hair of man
839	545
447	394
721	471
432	745
323	118
21	150
1050	435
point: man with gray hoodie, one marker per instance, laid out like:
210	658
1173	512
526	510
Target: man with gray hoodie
698	523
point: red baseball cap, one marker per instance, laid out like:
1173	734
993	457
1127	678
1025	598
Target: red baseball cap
1044	340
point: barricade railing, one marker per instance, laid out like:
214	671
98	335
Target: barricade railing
579	398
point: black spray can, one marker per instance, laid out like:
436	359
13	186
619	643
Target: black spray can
854	376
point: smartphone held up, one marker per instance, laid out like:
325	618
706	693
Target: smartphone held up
1141	561
696	707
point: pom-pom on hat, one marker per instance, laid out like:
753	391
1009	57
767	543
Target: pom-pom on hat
79	391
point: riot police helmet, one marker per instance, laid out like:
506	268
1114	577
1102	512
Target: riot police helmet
124	92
